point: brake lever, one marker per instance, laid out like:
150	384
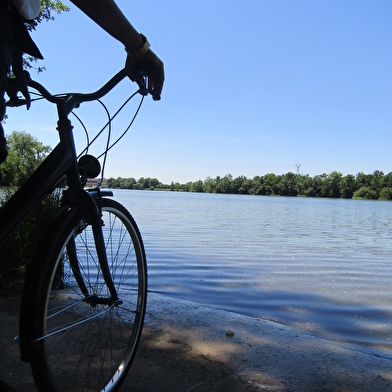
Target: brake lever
140	79
145	91
16	102
16	85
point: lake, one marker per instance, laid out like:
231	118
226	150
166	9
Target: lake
320	265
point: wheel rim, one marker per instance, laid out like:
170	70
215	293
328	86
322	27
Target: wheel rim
88	345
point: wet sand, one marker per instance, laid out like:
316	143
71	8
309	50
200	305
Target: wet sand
185	347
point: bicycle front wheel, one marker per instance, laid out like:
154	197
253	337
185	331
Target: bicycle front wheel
83	340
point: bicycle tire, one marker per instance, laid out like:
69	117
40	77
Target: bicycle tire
79	345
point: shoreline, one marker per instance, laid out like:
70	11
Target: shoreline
185	347
366	347
270	356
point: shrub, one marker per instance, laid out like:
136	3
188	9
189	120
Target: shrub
365	193
17	253
386	193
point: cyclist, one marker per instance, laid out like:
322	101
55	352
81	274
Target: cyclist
15	40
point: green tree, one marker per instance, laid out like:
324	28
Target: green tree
48	7
376	182
209	185
241	185
237	184
287	185
111	182
154	182
142	183
387	181
331	185
317	186
269	186
177	187
197	186
224	184
362	179
257	185
347	186
121	183
25	154
128	183
305	185
246	187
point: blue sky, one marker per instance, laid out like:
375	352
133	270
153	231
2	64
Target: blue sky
252	87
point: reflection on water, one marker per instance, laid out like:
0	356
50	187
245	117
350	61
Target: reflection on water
318	264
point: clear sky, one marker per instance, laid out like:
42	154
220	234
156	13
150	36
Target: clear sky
252	86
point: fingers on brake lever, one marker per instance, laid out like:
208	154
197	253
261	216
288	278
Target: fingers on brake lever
141	81
16	85
144	88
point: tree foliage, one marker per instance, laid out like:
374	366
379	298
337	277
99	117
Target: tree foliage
131	183
333	185
386	193
49	8
25	154
365	193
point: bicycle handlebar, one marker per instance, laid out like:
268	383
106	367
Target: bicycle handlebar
73	100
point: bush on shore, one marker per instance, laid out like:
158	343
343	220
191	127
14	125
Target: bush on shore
386	193
365	193
17	253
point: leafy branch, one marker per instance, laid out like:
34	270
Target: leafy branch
49	8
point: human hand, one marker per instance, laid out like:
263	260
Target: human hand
148	65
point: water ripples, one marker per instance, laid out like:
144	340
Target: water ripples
321	265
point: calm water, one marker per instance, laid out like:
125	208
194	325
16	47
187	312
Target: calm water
324	266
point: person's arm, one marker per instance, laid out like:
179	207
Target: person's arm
140	58
107	15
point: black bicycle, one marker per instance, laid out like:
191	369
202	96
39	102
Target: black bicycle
85	293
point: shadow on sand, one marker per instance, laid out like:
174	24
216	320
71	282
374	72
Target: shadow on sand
185	348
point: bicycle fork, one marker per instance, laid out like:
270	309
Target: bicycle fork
89	204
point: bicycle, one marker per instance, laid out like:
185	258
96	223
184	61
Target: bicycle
84	298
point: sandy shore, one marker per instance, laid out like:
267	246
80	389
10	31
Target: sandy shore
185	347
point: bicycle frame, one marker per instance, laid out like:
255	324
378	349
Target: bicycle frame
62	161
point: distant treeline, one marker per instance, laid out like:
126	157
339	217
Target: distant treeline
361	186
